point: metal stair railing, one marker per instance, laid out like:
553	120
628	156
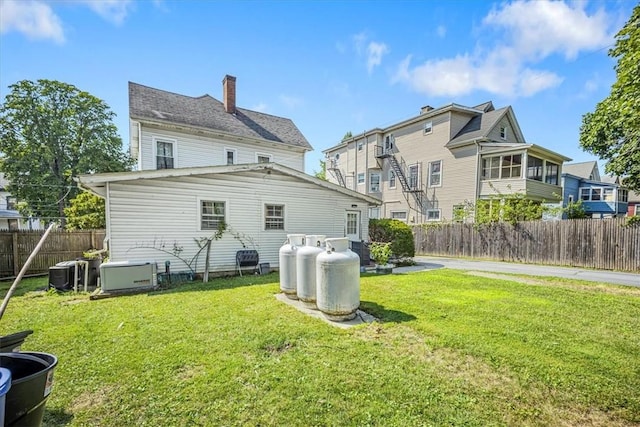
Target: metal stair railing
332	167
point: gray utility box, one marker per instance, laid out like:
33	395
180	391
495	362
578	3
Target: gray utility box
127	275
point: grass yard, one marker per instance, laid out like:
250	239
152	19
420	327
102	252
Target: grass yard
451	349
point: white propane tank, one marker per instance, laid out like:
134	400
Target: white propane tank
306	269
338	280
287	267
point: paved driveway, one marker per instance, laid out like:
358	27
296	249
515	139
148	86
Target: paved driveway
614	277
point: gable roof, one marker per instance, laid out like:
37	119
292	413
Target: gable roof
206	112
96	183
481	125
587	170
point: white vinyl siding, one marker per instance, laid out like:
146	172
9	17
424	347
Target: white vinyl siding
195	151
166	211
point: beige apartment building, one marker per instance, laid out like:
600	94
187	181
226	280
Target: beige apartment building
429	166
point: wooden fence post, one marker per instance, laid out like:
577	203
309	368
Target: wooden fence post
16	254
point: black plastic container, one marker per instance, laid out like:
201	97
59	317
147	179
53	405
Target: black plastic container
31	384
13	342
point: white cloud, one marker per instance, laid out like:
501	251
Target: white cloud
541	28
114	11
375	52
441	31
372	51
34	19
528	32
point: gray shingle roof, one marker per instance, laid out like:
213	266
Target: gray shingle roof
479	126
583	170
209	113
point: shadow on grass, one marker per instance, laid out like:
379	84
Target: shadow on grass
385	315
56	417
31	284
219	283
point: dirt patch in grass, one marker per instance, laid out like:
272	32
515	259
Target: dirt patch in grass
94	399
520	403
607	289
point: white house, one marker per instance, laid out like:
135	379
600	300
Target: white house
169	130
10	218
151	213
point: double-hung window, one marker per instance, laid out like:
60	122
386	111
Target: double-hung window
433	215
623	195
428	127
414	177
274	217
491	167
212	214
392	179
165	154
374	182
435	174
503	132
361	178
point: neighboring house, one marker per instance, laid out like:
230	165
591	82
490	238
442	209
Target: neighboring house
602	197
431	166
168	130
633	207
10	218
262	203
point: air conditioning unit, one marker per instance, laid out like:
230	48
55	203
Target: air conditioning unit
128	275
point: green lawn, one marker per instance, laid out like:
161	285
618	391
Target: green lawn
451	349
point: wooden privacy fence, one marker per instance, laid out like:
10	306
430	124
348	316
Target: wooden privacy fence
16	246
603	244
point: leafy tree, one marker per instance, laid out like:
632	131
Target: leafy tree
85	212
347	135
322	173
612	131
50	132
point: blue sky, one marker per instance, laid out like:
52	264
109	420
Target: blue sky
330	66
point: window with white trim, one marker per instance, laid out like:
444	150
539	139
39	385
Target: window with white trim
428	127
570	198
263	158
511	166
585	194
392	179
360	145
503	132
607	194
361	178
433	215
230	156
374	182
374	213
435	174
491	167
212	214
400	215
165	154
414	177
273	217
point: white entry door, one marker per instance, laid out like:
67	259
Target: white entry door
352	226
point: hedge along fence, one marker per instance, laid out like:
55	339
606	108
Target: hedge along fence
16	246
591	243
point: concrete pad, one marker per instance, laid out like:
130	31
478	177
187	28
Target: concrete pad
360	319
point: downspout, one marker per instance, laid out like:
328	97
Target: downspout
139	146
355	173
366	164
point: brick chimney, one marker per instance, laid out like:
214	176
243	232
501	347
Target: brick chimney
229	93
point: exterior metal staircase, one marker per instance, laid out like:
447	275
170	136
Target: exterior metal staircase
410	186
332	166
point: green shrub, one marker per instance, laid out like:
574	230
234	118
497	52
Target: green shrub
395	232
